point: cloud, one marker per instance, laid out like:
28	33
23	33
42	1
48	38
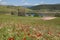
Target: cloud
36	4
23	1
3	3
26	3
0	0
30	3
42	2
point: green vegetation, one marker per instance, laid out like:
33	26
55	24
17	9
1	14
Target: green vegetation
8	9
36	15
57	15
14	27
19	10
47	7
28	28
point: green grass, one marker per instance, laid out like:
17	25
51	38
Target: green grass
17	28
8	9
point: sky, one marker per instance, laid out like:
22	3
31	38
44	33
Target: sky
28	2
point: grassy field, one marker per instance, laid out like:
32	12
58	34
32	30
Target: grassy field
28	28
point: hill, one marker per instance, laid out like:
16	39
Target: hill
8	9
49	7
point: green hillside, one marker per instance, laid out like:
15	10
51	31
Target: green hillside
48	7
8	9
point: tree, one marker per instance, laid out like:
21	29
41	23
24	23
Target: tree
21	12
57	15
12	13
36	15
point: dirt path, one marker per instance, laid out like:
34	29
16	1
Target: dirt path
48	18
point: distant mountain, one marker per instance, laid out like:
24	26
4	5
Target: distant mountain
28	6
46	6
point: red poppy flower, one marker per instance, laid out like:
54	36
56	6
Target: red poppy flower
49	33
39	34
24	38
28	34
11	39
58	34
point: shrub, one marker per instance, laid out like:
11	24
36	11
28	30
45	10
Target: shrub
12	13
36	15
57	15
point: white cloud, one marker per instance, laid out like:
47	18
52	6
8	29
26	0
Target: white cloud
0	0
3	3
26	3
36	4
23	1
42	2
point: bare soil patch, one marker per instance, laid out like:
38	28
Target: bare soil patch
48	18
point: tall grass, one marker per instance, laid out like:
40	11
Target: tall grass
28	28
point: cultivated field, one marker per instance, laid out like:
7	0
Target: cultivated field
29	28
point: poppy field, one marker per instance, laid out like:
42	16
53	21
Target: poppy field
28	28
